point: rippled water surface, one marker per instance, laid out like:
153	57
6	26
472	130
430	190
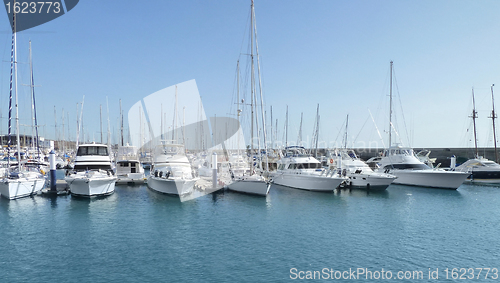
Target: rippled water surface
137	235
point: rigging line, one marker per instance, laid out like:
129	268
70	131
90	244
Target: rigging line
339	133
402	112
356	138
378	132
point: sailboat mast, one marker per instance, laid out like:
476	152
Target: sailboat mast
32	101
63	136
238	109
474	116
272	133
100	119
346	124
493	117
317	132
299	139
262	112
34	137
121	123
252	82
286	127
9	143
390	108
17	98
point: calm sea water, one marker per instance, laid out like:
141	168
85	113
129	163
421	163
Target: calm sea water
137	235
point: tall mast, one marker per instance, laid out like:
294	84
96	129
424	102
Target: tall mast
100	119
32	101
272	133
63	137
390	108
286	127
11	86
299	139
317	132
346	123
262	112
109	125
17	98
33	108
55	124
474	116
238	110
162	127
493	117
121	123
251	83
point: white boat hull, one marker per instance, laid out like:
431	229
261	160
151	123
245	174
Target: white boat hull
307	182
370	181
250	186
86	186
171	186
130	179
22	187
430	178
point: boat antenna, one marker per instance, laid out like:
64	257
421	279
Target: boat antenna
474	116
493	117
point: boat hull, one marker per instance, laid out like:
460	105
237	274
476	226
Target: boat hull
370	181
90	187
171	186
439	179
249	186
130	179
307	182
18	188
484	177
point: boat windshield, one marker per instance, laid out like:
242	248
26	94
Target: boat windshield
399	151
92	150
491	164
92	167
295	151
304	166
407	166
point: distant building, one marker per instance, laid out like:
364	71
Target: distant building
26	141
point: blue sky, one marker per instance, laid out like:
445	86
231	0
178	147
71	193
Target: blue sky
335	53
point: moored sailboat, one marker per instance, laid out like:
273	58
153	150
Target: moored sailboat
482	170
244	176
19	181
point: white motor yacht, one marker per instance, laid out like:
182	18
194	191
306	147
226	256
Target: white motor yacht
129	170
92	174
481	170
402	163
302	171
358	173
171	171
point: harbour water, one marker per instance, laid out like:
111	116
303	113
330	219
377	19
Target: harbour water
137	235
